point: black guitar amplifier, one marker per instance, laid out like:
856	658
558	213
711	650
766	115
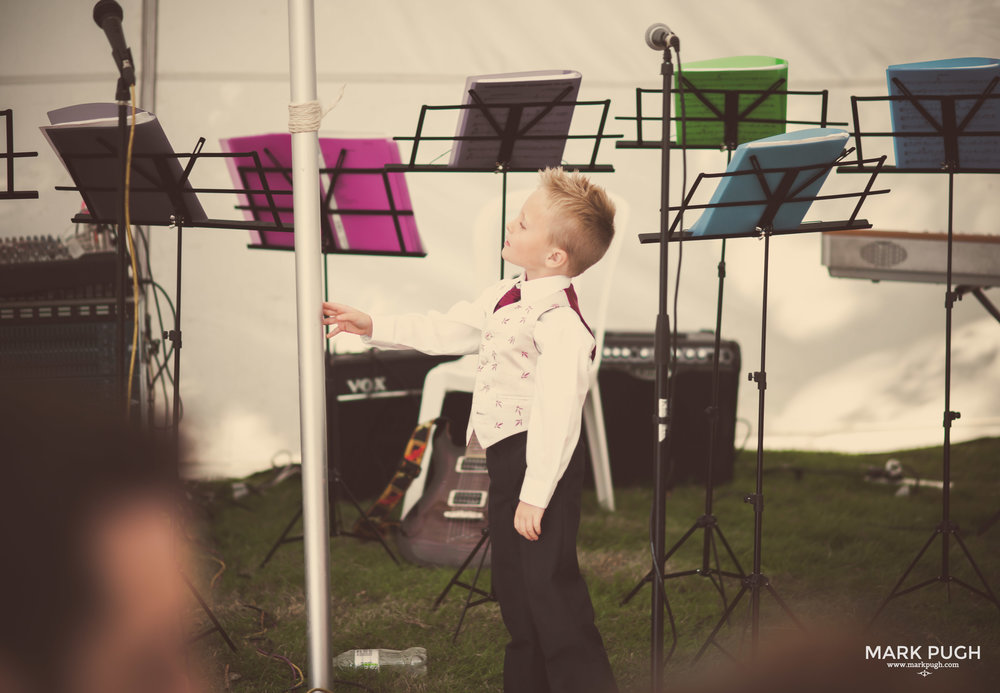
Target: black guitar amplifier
373	400
58	327
628	393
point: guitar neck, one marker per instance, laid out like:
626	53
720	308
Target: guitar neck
474	449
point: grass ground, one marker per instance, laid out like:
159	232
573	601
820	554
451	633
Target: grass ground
834	544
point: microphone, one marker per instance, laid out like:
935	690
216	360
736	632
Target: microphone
108	16
659	37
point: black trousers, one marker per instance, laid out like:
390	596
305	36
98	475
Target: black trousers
554	645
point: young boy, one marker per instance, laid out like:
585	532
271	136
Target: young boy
532	378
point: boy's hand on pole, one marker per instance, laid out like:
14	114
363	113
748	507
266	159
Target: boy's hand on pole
346	319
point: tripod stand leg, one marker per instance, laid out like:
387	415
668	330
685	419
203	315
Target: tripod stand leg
721	584
989	592
364	519
461	569
216	626
784	606
972	589
894	592
729	550
648	577
722	621
472	588
281	540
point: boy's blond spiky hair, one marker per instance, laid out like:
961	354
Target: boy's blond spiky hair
585	214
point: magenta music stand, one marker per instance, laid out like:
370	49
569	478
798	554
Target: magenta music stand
365	209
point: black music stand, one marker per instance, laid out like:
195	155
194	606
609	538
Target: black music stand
787	191
337	487
484	597
9	155
164	186
507	134
732	118
337	173
949	128
729	115
329	246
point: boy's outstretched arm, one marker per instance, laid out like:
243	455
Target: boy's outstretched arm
346	319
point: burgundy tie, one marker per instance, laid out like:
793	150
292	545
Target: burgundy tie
513	295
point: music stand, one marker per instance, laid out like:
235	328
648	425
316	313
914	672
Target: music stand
397	238
507	135
731	117
164	197
484	597
9	154
771	199
949	128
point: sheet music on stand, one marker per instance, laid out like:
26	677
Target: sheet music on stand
752	197
969	82
8	154
937	131
818	147
85	138
727	105
531	136
720	103
365	209
506	125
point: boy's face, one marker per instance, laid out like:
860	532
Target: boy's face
529	243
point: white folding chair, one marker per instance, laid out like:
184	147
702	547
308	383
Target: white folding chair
594	291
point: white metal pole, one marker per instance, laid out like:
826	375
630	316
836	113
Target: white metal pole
147	65
312	374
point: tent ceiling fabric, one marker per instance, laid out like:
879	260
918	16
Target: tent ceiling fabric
851	363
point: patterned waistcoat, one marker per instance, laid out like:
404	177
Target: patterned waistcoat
505	377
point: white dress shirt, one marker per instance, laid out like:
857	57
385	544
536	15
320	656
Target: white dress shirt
561	375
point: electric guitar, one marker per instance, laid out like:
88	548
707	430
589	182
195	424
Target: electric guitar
448	520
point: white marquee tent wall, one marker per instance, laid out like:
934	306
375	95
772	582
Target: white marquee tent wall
852	365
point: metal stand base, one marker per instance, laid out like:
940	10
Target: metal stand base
337	484
482	545
710	526
752	585
707	521
946	529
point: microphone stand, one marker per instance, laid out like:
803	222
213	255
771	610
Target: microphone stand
108	15
122	96
662	358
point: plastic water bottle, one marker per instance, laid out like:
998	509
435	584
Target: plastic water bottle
412	660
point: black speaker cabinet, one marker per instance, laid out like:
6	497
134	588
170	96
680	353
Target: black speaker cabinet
373	400
627	380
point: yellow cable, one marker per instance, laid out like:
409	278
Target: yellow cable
222	569
295	668
131	250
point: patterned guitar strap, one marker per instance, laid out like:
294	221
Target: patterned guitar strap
409	469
